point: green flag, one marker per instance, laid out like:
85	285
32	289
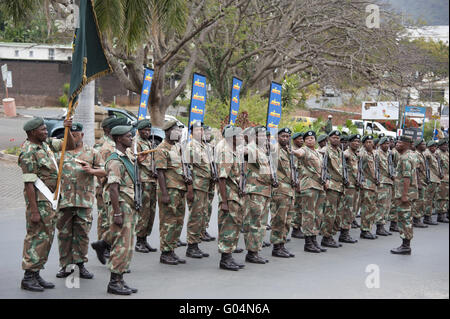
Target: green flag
88	59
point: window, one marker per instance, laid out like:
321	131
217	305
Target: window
16	53
51	54
31	54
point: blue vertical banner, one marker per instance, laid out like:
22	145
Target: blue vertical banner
235	100
198	99
145	93
274	109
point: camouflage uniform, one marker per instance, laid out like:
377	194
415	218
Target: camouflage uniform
171	215
121	239
384	190
75	206
350	201
430	198
393	211
418	207
368	190
442	193
105	149
295	211
201	175
38	161
282	200
229	222
334	193
404	170
312	194
258	190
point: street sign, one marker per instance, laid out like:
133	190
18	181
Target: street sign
380	110
414	133
9	80
4	71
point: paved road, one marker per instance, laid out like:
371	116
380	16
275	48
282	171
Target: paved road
339	273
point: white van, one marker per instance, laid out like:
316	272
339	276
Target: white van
377	128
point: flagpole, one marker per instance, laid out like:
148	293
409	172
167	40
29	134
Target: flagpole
63	150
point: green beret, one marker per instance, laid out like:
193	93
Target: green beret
406	139
107	121
353	137
232	131
32	124
76	127
383	140
441	142
296	135
121	130
143	124
418	142
344	138
375	141
118	121
322	138
310	133
334	132
169	124
431	143
284	130
367	137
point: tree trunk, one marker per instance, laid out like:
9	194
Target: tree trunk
85	113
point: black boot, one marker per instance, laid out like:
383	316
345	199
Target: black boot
180	260
238	251
381	231
240	265
29	282
355	224
345	237
254	258
167	258
84	273
429	221
211	238
125	285
140	245
314	240
442	218
116	287
100	249
181	243
277	251
205	237
283	248
393	227
367	235
202	252
309	245
404	249
62	273
226	262
193	252
417	222
107	251
265	244
329	242
42	282
297	233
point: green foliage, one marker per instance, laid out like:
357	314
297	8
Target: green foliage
13	150
64	99
429	128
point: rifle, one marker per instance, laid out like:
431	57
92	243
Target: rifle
273	171
324	176
377	169
137	179
344	168
439	160
187	174
391	168
294	171
243	179
214	174
153	166
361	178
427	171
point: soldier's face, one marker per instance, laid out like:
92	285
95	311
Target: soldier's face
283	138
432	149
40	133
385	147
78	138
401	146
355	144
310	141
368	145
299	141
323	143
126	139
421	147
443	147
335	140
207	135
145	133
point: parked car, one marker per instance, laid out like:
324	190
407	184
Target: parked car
367	128
308	121
330	91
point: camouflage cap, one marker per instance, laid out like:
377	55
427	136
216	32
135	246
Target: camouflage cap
107	121
334	132
169	124
367	137
418	142
121	130
297	135
143	124
383	140
431	143
322	138
76	127
353	137
32	124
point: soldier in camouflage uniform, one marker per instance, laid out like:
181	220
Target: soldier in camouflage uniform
201	175
368	187
297	138
173	183
211	191
258	192
229	164
312	193
393	212
148	174
351	191
403	182
442	192
384	190
38	164
76	202
433	186
418	206
335	191
322	141
282	198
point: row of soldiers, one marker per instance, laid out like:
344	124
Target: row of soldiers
313	191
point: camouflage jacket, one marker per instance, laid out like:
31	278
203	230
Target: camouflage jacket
145	173
116	172
283	174
77	187
39	161
259	180
310	169
200	165
384	166
351	159
368	168
444	162
404	170
334	166
413	188
168	158
433	165
228	166
421	170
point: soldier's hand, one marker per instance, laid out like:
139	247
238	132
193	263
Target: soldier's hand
165	199
118	220
35	217
224	206
190	196
142	157
68	123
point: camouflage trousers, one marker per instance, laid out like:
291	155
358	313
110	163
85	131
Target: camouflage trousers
333	205
197	217
393	211
430	198
39	237
418	206
404	217
146	215
229	223
74	225
103	218
368	209
256	206
349	203
383	203
442	197
171	218
209	211
121	238
313	201
280	222
296	212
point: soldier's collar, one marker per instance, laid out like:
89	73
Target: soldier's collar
119	152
